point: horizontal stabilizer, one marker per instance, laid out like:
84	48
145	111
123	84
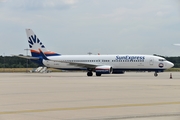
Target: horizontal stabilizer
27	57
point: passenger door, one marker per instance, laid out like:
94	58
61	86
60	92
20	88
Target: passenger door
151	61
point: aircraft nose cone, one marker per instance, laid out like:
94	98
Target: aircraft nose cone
170	64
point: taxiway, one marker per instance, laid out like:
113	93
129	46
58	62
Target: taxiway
74	96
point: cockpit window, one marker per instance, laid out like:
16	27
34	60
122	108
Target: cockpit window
162	59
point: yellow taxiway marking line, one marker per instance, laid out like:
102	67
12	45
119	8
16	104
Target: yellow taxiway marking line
89	107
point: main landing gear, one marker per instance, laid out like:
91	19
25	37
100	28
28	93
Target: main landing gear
98	74
155	74
89	73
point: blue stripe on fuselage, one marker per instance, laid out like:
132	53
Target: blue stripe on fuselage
38	54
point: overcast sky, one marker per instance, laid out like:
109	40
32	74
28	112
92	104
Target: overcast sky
97	26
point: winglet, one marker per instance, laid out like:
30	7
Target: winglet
43	55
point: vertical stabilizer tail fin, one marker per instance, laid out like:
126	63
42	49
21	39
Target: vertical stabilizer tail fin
35	44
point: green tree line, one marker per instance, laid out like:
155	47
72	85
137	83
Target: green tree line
16	62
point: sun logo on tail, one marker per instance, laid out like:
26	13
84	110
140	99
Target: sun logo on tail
34	40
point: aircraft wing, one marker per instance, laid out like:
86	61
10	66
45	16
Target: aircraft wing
85	65
27	57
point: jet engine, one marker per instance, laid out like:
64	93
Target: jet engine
103	70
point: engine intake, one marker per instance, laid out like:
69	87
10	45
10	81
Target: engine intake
103	69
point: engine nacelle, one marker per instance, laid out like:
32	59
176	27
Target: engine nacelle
103	69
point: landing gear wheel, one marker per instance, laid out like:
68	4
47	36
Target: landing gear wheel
98	74
89	73
155	74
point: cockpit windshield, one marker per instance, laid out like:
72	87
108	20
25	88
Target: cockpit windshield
162	60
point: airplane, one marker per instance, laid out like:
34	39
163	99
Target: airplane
100	64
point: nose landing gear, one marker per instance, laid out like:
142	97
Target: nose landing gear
156	74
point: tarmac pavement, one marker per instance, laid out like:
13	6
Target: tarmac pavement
74	96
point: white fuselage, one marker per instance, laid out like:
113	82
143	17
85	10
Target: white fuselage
123	62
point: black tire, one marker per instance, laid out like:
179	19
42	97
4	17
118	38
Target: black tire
98	74
89	73
155	74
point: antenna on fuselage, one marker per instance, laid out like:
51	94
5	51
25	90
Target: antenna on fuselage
90	53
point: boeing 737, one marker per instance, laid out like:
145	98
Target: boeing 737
100	64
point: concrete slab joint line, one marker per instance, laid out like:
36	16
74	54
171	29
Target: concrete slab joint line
89	107
135	116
